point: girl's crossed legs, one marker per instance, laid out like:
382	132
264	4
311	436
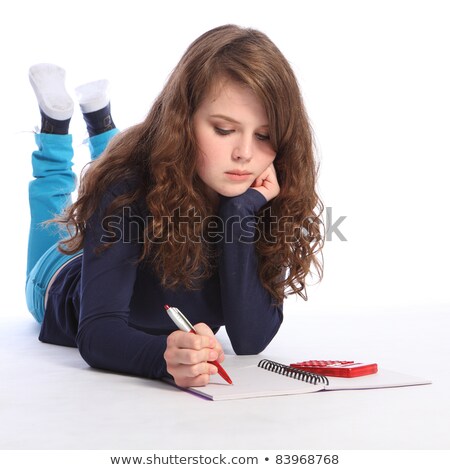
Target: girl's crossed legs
49	193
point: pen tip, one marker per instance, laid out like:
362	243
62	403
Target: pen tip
166	307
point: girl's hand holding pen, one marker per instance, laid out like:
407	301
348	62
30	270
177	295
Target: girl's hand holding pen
186	356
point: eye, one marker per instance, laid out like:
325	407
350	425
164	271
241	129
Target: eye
220	131
262	137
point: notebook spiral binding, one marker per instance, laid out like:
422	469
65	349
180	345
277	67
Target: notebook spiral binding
298	374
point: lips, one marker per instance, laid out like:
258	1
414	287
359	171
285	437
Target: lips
238	172
238	175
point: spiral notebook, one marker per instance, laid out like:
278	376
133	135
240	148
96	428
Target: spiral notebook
255	377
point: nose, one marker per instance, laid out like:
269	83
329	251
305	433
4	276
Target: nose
243	150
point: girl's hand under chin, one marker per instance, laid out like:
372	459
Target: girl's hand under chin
267	184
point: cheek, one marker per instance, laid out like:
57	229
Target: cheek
211	155
205	144
268	158
204	167
212	148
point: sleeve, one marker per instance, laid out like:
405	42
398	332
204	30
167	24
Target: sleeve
104	338
251	315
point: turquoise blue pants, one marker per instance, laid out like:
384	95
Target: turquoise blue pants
49	193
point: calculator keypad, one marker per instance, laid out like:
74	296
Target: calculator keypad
337	368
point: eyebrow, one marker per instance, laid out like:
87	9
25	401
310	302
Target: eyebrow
226	118
230	119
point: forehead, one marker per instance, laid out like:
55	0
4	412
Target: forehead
234	99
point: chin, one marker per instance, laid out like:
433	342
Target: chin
233	192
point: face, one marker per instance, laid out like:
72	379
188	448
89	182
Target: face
232	132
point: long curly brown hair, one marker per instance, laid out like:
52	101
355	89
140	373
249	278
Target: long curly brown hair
162	150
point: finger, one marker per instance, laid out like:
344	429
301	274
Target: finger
183	340
257	183
270	181
205	330
194	370
192	357
267	176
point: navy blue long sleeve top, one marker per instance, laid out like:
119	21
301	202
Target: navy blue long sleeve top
111	306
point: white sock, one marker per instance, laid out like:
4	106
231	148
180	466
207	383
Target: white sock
93	95
48	82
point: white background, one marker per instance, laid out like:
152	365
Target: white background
375	78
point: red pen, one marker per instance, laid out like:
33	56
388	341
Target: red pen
183	324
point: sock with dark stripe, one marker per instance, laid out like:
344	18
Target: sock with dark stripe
54	126
99	121
95	106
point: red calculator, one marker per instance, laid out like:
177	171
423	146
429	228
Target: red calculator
337	368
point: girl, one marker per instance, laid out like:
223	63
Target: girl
209	205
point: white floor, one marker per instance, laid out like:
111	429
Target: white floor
50	399
381	124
